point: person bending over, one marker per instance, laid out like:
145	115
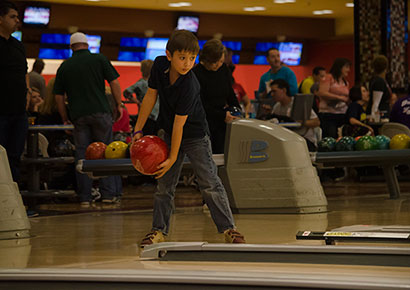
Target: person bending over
182	117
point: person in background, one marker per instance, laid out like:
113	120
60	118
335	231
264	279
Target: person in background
284	102
140	89
356	113
277	71
15	88
141	86
242	97
380	90
36	79
400	112
228	60
311	83
216	91
35	103
334	97
82	78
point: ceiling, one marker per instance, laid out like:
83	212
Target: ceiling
301	8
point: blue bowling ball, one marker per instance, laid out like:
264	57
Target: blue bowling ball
327	144
383	142
346	143
234	111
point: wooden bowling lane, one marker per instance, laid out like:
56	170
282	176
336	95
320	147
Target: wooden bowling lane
105	240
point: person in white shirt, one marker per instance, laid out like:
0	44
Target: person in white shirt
284	101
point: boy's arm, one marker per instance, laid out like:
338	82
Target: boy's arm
177	131
145	110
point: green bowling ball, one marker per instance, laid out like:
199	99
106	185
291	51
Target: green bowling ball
367	143
383	142
327	144
345	143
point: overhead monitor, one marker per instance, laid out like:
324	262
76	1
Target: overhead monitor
36	15
290	52
187	22
57	45
155	47
132	48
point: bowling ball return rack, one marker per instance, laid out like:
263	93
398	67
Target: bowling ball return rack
386	159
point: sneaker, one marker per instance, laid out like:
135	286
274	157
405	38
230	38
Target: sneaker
234	237
152	238
31	213
95	194
111	200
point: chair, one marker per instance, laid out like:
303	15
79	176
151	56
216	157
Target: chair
390	129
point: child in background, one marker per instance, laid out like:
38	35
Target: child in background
183	119
356	113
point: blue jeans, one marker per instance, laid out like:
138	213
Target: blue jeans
93	128
199	153
13	133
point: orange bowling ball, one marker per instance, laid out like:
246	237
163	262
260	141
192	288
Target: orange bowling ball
95	150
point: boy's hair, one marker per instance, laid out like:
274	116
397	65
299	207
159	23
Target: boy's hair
380	64
355	93
269	50
317	70
183	40
146	66
212	51
282	84
5	7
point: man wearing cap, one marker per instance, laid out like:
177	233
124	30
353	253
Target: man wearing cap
82	79
14	86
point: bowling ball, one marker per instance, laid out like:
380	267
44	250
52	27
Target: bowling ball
95	150
116	150
327	144
346	143
235	111
400	141
147	153
383	142
63	148
367	143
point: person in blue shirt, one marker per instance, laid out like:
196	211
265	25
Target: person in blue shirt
182	117
277	71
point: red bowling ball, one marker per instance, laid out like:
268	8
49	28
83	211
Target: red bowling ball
95	150
147	153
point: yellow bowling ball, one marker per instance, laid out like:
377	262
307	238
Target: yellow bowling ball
115	150
400	141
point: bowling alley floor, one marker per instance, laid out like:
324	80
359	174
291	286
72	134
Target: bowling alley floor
68	236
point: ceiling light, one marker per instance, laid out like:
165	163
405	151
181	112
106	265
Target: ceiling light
180	4
350	5
322	12
95	0
256	8
283	1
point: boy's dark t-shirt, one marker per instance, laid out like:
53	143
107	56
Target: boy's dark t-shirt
356	111
181	98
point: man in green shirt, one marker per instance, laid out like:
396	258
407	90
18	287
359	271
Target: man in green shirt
82	79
